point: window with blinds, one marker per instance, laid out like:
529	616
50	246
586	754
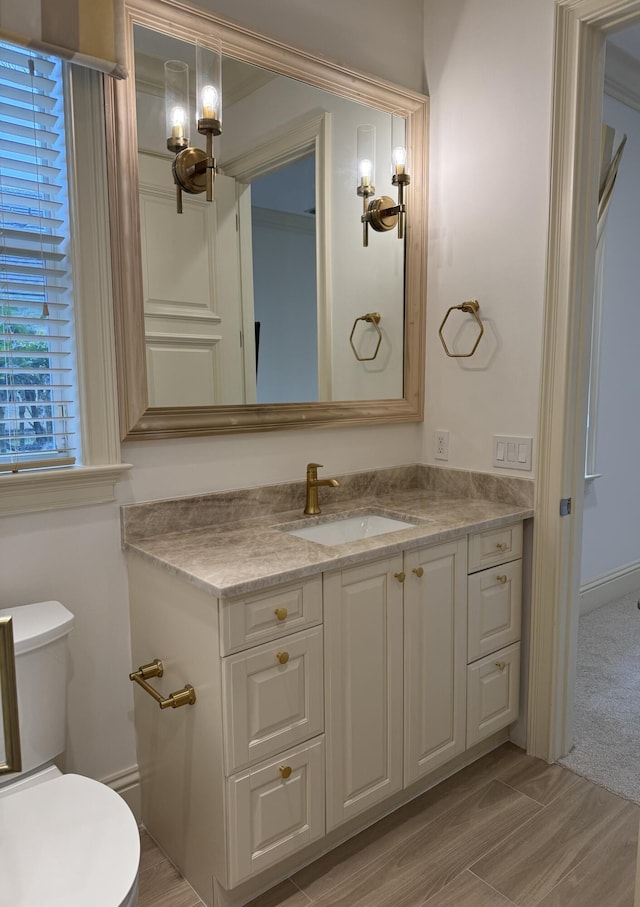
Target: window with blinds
37	374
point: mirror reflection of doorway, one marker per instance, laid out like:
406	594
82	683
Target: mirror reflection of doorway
284	282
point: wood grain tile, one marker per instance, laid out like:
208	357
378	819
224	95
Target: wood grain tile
150	853
284	895
533	860
607	873
538	780
163	886
417	868
336	867
467	890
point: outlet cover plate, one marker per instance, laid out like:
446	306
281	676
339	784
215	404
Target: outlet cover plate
512	452
441	445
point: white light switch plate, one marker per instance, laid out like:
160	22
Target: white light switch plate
511	452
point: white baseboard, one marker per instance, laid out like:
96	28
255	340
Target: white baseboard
609	587
127	784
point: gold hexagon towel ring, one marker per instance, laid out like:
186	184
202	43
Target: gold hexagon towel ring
471	306
374	319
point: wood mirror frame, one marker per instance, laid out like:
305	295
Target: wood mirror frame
138	421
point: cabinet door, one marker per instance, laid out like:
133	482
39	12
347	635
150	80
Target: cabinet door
492	693
363	682
494	609
272	697
275	809
435	657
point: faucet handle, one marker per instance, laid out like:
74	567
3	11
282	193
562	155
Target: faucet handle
314	466
312	470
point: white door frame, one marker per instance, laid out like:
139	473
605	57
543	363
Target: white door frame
581	28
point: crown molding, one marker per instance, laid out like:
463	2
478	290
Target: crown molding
622	76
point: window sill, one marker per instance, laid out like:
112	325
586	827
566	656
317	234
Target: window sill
54	489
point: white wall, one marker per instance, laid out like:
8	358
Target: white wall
612	502
489	68
489	64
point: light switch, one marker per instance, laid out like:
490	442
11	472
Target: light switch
511	452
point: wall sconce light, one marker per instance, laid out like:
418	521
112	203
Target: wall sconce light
194	169
381	213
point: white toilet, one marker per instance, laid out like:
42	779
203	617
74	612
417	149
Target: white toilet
65	840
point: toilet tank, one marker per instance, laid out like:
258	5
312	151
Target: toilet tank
40	646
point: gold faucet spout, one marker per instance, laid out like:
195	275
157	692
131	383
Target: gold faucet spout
313	483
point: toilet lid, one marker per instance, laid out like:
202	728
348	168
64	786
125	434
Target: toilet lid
68	842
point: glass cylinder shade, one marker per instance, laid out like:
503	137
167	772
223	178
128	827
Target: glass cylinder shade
366	151
208	83
399	164
176	99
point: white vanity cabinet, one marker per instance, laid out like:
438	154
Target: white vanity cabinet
318	700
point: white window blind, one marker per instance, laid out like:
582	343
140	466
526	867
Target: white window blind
37	374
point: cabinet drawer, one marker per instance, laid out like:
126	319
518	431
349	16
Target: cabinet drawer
257	618
494	597
272	698
495	546
270	815
493	689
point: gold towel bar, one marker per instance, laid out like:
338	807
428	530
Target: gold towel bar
470	307
371	318
186	696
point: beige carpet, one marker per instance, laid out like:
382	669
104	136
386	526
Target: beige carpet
607	707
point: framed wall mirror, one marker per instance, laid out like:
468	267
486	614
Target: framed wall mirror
262	308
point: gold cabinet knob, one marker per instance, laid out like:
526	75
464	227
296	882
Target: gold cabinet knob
283	657
419	572
501	665
502	578
502	546
400	576
285	770
281	613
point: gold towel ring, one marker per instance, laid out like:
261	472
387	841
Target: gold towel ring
471	306
371	318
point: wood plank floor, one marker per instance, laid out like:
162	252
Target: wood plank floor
508	830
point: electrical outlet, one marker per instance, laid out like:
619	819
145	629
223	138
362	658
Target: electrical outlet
441	445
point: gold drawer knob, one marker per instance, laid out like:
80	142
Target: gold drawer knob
281	613
502	546
501	665
283	657
419	572
285	770
502	578
400	576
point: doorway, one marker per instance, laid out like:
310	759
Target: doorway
581	28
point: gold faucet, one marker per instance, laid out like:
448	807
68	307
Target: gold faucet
313	482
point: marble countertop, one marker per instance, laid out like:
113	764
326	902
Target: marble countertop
239	557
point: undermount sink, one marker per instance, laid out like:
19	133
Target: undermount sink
350	529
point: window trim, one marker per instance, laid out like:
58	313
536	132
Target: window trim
93	482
